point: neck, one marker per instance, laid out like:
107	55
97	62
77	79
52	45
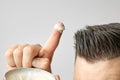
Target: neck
101	70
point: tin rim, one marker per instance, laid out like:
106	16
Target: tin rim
22	70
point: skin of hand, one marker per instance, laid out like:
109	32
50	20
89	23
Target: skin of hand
36	56
57	77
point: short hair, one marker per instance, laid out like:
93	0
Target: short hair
98	42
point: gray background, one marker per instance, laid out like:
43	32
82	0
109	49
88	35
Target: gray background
31	21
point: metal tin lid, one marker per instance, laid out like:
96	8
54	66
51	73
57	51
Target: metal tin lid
28	74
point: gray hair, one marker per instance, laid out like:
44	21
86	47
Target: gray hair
98	42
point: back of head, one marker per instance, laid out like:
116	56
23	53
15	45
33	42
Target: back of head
99	42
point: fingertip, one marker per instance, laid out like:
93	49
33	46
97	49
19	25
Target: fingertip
59	27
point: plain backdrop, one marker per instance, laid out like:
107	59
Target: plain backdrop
32	21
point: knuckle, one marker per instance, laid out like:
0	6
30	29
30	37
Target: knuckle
38	45
8	53
28	48
17	52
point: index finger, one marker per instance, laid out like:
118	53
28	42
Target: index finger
54	39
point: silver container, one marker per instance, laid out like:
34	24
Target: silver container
28	74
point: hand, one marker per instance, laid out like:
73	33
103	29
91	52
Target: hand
57	77
27	56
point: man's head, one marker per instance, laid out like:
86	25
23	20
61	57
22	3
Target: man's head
98	52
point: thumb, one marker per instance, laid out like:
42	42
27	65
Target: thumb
42	63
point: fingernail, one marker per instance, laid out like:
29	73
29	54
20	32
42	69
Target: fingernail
60	27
